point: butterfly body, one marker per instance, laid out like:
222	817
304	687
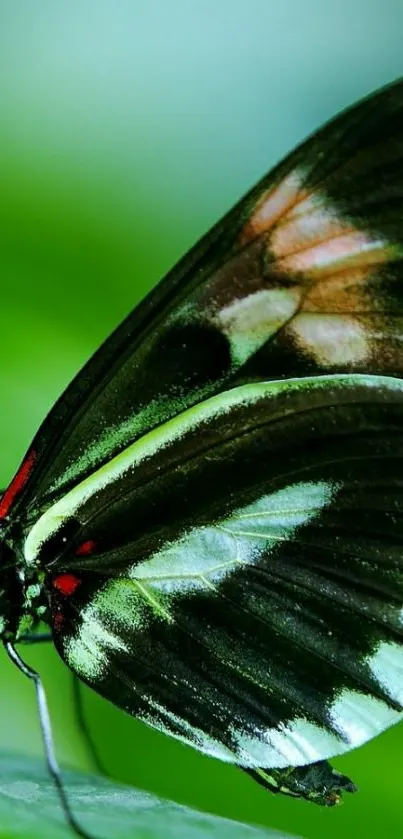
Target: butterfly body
210	518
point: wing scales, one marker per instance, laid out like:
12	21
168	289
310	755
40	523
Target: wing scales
303	277
243	584
271	627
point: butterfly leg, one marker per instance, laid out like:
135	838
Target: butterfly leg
42	637
318	782
47	737
82	726
36	638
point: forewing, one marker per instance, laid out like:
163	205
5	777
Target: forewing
250	599
303	277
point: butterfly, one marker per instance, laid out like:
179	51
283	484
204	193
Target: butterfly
210	519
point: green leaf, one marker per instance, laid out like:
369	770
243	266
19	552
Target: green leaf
29	809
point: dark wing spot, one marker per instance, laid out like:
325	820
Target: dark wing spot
60	541
188	357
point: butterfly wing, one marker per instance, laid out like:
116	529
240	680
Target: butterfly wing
245	587
222	549
303	277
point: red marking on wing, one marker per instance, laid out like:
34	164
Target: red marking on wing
85	548
66	584
17	484
58	620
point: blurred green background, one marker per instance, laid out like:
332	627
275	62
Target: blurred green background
126	129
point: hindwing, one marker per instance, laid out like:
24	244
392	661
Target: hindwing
249	599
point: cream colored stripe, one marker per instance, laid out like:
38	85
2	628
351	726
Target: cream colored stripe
160	437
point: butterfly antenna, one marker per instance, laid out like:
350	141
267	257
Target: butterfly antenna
47	737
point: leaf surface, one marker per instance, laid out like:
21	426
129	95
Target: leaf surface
29	809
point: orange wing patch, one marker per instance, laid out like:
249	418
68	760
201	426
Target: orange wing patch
274	205
332	265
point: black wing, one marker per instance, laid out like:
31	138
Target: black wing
303	277
245	588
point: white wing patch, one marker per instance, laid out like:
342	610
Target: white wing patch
295	744
386	664
249	321
359	717
87	652
117	610
206	555
332	339
196	562
353	716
